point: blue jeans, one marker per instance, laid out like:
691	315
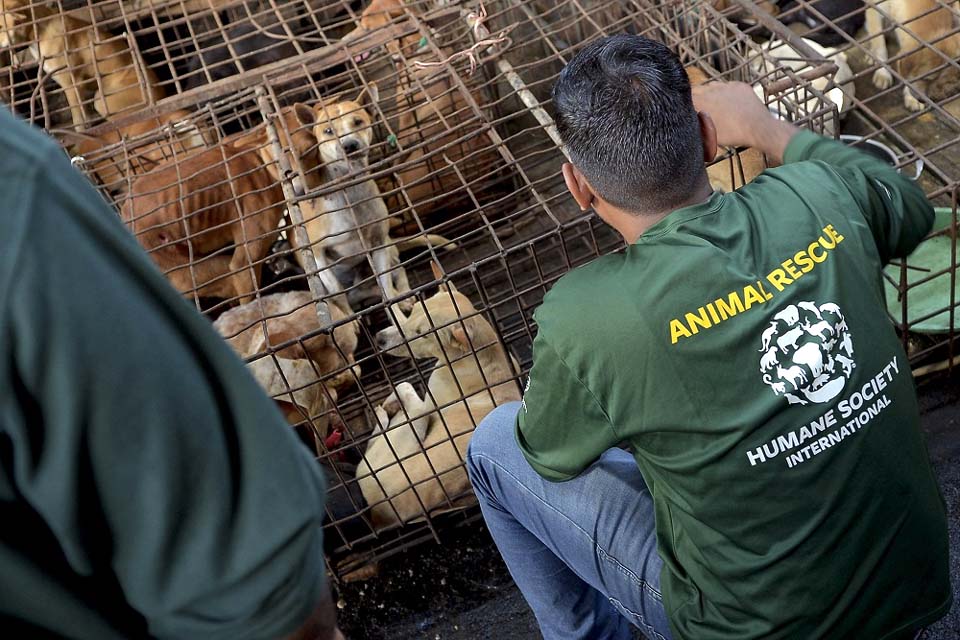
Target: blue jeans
583	552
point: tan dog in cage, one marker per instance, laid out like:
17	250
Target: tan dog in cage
93	67
933	37
736	171
415	465
294	377
349	224
433	117
208	219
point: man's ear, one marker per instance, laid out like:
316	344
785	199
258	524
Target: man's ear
708	135
578	186
305	115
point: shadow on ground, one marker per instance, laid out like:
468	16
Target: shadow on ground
462	589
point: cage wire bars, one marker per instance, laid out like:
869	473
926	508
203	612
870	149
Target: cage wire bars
187	121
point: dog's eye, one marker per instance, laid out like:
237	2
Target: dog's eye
328	131
358	122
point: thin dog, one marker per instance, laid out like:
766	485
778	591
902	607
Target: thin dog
147	144
188	213
346	225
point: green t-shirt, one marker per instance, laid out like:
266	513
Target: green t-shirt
147	485
742	349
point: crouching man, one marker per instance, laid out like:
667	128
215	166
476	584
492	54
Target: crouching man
778	486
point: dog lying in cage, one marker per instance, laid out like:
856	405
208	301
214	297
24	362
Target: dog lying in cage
92	67
838	88
208	219
432	117
415	456
933	42
314	358
345	225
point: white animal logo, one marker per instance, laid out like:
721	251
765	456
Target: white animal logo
810	308
846	363
768	336
790	315
769	359
823	330
807	353
794	375
788	341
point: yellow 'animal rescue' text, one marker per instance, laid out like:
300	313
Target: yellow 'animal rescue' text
755	293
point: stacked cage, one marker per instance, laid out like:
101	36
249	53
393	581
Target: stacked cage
370	215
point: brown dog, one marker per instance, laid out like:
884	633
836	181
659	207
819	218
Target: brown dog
928	21
731	173
189	212
315	358
91	66
173	136
420	443
433	114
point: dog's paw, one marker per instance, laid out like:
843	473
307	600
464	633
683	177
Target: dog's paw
406	305
383	420
910	101
882	78
391	406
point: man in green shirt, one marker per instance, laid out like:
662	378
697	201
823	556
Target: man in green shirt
779	485
148	487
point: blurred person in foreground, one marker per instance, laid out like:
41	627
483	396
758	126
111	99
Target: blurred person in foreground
777	485
148	486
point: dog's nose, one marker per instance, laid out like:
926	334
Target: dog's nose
351	146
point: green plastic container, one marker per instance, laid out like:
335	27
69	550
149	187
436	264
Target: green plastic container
930	256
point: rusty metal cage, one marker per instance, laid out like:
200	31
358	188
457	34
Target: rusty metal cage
371	218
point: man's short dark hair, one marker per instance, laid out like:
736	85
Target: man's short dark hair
626	117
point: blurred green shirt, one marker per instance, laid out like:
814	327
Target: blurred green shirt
742	348
148	487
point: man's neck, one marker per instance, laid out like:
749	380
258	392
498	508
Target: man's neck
632	225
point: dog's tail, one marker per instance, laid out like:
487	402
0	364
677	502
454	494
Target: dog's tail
426	241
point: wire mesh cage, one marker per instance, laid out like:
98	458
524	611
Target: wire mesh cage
371	214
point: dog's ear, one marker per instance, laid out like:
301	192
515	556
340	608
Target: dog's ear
461	333
467	333
372	94
305	115
16	17
334	99
438	274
